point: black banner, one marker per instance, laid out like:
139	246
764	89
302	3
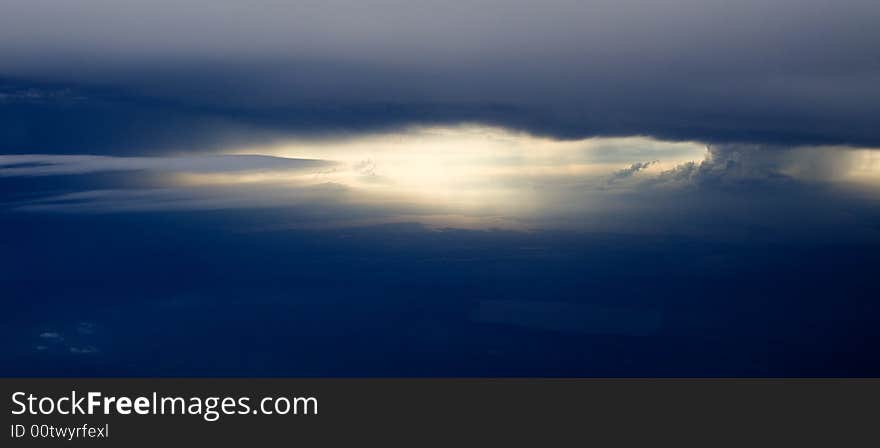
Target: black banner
455	412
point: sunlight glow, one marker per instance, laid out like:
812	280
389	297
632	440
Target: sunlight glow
471	167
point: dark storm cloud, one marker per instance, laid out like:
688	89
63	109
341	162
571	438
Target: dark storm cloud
43	118
139	76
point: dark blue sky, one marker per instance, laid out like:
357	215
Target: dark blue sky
488	188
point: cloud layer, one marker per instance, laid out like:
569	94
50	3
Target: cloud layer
481	178
131	76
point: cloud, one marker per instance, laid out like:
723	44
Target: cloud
784	72
37	96
87	350
177	199
483	178
731	163
428	171
51	335
79	342
48	165
630	171
755	165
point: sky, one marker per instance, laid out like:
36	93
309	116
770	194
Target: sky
414	188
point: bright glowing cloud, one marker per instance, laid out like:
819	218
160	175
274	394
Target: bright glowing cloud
461	176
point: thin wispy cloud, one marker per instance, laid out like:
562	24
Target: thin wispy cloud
49	165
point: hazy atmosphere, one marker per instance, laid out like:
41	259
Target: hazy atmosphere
414	188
